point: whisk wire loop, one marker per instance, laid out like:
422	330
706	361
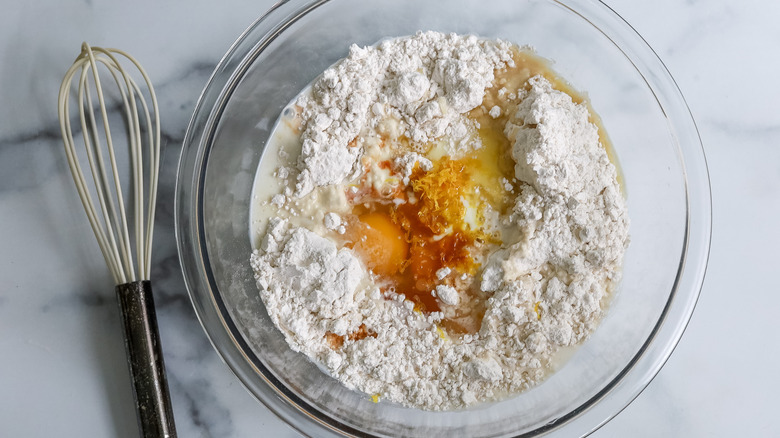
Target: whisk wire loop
97	169
112	231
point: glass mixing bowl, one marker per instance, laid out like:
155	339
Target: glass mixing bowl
654	137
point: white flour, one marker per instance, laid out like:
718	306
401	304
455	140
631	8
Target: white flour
426	82
544	289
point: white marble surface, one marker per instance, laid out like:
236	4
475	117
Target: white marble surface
63	371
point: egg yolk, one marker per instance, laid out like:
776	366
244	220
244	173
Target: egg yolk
380	243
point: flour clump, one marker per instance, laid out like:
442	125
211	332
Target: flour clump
425	83
448	220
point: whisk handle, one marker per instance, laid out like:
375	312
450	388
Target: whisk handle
144	356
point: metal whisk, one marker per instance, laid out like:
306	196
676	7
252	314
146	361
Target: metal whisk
109	218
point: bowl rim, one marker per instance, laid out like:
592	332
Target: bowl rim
230	344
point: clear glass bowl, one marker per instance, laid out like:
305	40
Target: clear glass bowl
655	139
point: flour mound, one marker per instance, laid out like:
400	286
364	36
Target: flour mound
571	214
555	147
426	81
309	286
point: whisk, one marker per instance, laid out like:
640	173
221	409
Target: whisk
109	218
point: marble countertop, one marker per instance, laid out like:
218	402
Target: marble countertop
63	370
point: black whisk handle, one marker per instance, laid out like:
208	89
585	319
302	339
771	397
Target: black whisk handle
144	356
